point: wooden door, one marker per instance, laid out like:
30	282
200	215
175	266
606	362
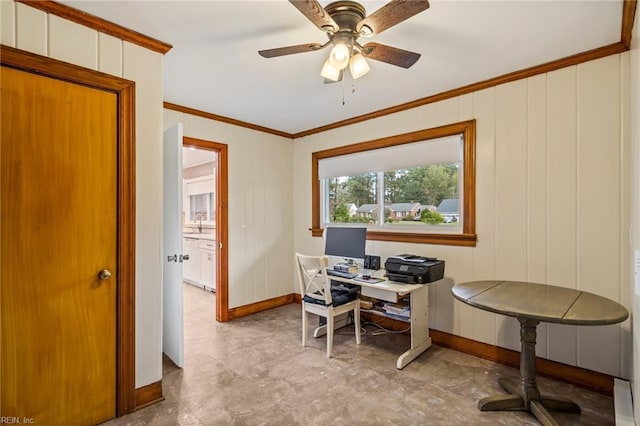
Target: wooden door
58	231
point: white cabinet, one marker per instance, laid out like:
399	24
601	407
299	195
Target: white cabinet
207	264
191	267
200	269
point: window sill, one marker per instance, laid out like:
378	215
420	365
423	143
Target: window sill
465	240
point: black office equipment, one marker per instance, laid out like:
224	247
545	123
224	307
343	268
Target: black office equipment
412	269
341	274
348	243
371	262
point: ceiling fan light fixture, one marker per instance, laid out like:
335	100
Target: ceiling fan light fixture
344	21
329	71
339	56
358	66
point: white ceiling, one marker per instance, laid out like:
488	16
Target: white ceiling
214	65
194	157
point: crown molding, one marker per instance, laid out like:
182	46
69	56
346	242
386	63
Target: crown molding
628	16
98	24
223	119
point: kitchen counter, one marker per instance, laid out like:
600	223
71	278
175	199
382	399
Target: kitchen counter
199	236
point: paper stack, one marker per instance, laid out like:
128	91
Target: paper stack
397	310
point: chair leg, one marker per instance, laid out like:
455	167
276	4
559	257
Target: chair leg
329	335
304	326
356	317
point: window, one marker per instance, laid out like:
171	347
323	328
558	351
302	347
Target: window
201	207
199	199
414	187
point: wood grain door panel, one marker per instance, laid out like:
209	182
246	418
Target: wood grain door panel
58	230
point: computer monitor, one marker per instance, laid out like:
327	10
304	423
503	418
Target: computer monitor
348	243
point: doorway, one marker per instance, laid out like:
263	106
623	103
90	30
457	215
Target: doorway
194	231
199	176
208	213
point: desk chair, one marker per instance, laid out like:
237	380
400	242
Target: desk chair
315	289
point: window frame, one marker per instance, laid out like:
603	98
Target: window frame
468	235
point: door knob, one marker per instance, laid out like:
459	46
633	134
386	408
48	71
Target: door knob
184	257
173	258
105	274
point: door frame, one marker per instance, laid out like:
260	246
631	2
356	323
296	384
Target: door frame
125	243
222	224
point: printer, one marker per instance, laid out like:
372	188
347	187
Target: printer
412	269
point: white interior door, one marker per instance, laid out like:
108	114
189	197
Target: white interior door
172	322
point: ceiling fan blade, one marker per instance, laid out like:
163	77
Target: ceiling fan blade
391	14
289	50
316	14
390	55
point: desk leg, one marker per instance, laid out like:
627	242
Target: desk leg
420	340
525	396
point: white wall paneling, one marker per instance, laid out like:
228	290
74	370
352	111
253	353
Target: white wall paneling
598	198
74	43
8	23
145	68
510	196
109	54
537	190
549	194
561	202
481	325
31	29
633	292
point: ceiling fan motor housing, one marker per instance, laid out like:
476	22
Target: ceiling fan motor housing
347	14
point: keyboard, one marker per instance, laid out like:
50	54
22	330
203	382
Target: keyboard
341	274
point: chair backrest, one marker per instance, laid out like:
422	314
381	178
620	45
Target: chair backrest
312	276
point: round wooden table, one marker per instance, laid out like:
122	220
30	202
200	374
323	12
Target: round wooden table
531	304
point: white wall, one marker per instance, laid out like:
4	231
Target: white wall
634	290
35	31
553	202
260	206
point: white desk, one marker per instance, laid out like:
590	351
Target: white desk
390	291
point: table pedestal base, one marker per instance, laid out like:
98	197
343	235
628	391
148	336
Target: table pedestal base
516	402
525	396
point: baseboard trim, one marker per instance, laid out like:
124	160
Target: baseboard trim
588	379
264	305
149	394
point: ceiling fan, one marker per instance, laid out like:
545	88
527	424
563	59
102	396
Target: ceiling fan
344	22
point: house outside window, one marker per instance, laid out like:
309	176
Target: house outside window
404	188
